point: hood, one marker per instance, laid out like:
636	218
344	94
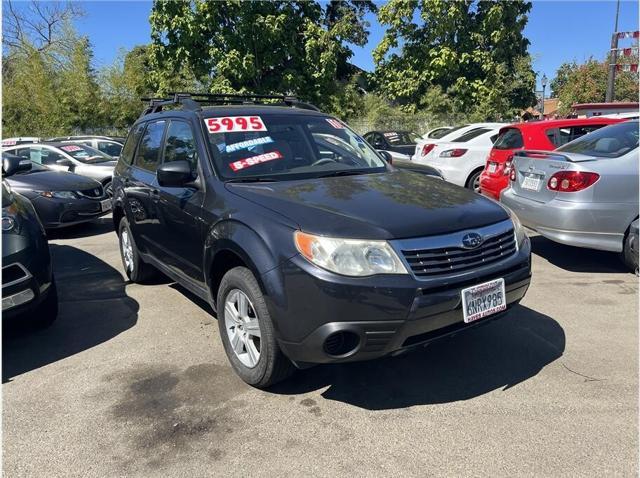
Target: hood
51	181
390	205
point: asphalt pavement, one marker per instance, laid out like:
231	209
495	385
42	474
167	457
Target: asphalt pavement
132	380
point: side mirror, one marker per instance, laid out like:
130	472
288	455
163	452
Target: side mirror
65	162
14	164
175	174
386	156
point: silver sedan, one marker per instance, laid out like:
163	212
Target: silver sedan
583	194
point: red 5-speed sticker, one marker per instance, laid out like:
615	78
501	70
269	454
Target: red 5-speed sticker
253	160
230	124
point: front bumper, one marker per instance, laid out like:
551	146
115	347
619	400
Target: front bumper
387	314
57	213
591	225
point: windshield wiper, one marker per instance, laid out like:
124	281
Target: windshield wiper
344	172
251	180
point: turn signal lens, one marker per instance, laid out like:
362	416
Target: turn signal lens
571	181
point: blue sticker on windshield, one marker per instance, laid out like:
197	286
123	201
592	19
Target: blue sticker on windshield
248	144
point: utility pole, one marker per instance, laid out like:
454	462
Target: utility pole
613	59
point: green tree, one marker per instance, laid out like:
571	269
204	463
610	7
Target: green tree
475	51
297	48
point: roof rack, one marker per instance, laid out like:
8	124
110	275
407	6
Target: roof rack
193	101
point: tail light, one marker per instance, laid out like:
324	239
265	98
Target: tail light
507	165
571	181
512	175
427	148
453	153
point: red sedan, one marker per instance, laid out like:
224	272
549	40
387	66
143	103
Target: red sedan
541	135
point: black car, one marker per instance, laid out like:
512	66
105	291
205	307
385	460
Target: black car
309	245
399	144
60	198
28	287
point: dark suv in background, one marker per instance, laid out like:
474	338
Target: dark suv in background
307	243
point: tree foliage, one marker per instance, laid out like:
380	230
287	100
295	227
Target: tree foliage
587	83
475	51
297	48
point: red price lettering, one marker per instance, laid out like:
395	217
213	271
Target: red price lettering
256	123
213	125
227	123
242	121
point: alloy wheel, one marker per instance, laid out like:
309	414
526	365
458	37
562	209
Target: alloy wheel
127	250
243	329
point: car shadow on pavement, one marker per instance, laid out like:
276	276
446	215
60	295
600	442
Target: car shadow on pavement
93	308
499	355
577	259
96	227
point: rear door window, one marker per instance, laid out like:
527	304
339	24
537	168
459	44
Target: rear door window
510	138
148	153
110	148
130	144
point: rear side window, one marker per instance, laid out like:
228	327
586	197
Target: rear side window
510	138
129	147
610	142
110	148
560	136
148	153
469	135
180	144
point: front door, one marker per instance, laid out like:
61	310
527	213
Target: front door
181	231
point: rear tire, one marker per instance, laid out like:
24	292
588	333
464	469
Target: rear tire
629	257
473	182
136	269
47	312
242	313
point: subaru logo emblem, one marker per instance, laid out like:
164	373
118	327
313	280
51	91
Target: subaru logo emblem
471	240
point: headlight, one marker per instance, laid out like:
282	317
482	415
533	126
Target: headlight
349	257
517	226
59	194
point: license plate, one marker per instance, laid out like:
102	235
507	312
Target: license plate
483	300
492	167
105	205
531	182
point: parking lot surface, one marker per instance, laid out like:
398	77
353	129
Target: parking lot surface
132	380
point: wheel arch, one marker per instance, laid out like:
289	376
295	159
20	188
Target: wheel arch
478	169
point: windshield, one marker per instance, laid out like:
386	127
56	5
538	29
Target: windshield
608	142
282	147
86	154
396	138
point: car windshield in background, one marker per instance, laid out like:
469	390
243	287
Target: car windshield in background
396	138
282	147
608	142
86	154
469	135
510	138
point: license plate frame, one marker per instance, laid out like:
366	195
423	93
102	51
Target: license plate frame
478	301
492	168
531	182
105	205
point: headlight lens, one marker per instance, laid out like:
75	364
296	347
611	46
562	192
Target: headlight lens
59	194
349	257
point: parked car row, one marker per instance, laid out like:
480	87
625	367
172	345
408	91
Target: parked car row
109	145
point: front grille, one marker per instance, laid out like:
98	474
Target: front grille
13	274
93	193
448	260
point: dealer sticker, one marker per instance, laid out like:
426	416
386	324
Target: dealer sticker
248	144
233	124
253	160
335	123
71	148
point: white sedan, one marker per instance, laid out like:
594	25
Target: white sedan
460	160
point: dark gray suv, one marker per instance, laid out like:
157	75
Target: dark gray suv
309	245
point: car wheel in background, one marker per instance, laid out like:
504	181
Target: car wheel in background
136	269
47	312
630	250
473	182
247	331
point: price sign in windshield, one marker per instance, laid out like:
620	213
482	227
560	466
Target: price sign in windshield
234	124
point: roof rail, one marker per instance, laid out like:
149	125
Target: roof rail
192	101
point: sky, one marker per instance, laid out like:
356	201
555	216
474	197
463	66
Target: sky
559	31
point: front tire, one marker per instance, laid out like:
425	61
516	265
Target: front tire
247	331
136	269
